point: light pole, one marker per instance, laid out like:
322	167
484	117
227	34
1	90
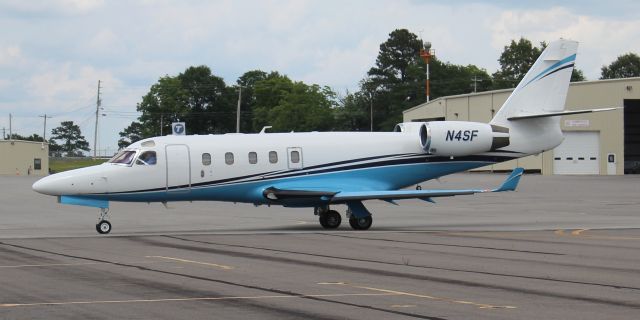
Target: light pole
238	110
371	108
427	53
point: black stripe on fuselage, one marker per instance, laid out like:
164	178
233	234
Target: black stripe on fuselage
318	169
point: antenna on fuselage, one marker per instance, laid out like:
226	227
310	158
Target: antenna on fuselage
264	129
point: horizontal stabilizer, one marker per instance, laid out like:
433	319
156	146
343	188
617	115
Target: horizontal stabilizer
512	181
558	114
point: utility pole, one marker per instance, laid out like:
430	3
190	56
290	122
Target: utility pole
44	131
161	123
475	81
371	109
95	131
238	111
10	133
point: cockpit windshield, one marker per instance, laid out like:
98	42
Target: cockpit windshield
147	158
123	157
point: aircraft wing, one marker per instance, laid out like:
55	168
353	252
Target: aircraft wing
509	184
299	197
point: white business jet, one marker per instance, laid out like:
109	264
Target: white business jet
320	169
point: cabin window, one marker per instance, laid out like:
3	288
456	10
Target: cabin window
206	159
123	157
147	158
228	158
253	157
295	156
273	157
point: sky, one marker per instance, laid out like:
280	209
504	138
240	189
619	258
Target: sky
53	52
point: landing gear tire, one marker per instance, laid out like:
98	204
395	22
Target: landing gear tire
103	227
363	223
330	219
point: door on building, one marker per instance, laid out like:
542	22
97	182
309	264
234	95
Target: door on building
578	153
178	168
632	136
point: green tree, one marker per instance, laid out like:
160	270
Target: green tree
353	112
55	150
163	104
73	142
196	96
304	108
626	66
131	134
210	103
268	94
395	82
248	82
516	59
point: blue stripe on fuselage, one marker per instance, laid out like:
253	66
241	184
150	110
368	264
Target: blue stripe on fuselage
375	178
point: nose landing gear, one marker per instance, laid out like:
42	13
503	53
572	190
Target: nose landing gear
103	226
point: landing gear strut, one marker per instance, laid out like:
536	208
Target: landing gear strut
103	226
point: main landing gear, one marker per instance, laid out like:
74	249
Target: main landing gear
103	226
331	219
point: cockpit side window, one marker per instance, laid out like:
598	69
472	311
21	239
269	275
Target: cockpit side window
123	157
147	158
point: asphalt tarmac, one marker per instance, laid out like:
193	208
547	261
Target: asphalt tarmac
561	247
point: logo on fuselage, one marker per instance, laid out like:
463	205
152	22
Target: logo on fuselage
461	135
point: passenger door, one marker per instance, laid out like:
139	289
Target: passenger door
178	168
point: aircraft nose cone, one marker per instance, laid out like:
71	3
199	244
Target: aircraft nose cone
45	186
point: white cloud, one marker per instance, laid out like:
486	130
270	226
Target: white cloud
601	39
11	55
51	7
59	87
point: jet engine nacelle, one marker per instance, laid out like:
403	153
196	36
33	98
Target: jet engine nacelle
461	138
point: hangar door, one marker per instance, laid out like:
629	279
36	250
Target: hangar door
578	153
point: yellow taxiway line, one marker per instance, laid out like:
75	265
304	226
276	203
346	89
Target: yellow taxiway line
11	305
193	262
423	296
581	233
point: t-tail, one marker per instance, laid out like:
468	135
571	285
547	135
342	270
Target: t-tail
527	123
532	112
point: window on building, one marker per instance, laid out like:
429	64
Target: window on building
253	157
295	156
206	159
37	164
228	158
273	157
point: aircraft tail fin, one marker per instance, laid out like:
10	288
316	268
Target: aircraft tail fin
542	91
